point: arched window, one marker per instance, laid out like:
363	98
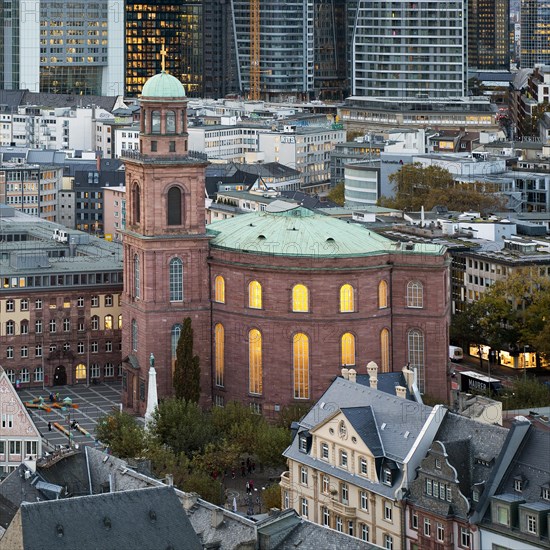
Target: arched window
120	321
346	299
94	322
348	349
415	294
134	335
255	373
300	359
155	122
219	357
385	350
137	292
415	341
80	371
136	202
219	289
255	295
176	280
174	339
108	322
170	122
382	294
300	298
174	206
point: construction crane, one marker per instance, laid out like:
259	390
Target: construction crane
255	50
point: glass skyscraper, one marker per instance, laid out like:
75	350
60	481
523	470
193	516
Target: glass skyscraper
409	49
535	33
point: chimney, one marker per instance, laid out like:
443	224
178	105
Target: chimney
189	500
410	377
372	369
352	373
170	480
345	373
216	518
401	391
373	383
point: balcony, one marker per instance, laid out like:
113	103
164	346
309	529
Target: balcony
285	480
342	509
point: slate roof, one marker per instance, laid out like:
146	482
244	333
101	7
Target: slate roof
363	421
532	462
387	382
148	519
24	97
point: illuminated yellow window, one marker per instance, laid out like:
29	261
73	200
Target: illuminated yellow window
80	372
300	298
348	349
108	322
385	350
219	289
300	350
120	321
255	362
346	299
255	295
219	340
383	294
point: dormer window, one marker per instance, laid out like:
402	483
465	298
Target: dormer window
438	463
387	476
545	491
303	444
519	484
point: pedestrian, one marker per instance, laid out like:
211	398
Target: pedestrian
248	465
233	473
248	489
49	426
251	485
253	466
243	469
52	398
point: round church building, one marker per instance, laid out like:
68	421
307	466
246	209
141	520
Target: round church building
296	296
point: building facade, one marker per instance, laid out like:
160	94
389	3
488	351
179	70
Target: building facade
535	42
409	50
59	304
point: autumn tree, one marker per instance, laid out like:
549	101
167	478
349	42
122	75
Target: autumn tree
187	372
416	186
336	194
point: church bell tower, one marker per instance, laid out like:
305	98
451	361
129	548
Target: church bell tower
165	246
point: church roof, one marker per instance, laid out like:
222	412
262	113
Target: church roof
291	230
163	85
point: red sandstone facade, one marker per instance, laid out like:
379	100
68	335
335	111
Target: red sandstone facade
152	241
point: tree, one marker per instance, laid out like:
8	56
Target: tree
122	434
272	496
271	443
526	393
182	425
337	194
417	186
187	384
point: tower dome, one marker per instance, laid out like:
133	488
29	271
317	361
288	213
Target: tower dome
163	85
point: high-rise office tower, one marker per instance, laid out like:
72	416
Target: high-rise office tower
286	56
535	33
488	35
63	47
82	47
176	27
19	46
408	49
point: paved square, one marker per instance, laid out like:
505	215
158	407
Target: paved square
93	402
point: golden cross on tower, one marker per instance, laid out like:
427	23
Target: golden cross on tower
163	53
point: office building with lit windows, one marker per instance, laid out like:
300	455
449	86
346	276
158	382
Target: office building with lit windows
489	35
409	49
279	299
174	26
535	33
74	47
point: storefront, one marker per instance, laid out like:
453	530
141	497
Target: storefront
519	360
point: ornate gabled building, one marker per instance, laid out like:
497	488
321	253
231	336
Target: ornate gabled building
450	482
279	300
354	454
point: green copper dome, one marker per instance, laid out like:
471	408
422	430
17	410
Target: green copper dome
163	85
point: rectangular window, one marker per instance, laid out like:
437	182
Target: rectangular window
304	507
364	532
325	480
388	511
414	521
363	466
303	475
324	451
464	538
31	448
343	459
364	500
531	524
428	487
15	448
440	533
427	527
345	493
95	301
326	517
388	542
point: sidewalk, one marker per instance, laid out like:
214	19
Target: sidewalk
235	489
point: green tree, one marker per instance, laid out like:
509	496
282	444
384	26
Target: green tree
239	424
187	384
216	457
271	442
164	461
337	194
272	496
122	434
292	413
416	186
182	425
525	393
203	484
